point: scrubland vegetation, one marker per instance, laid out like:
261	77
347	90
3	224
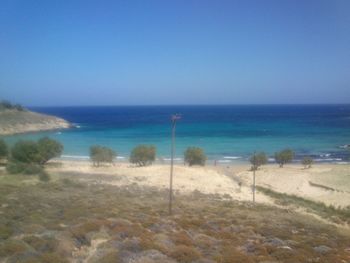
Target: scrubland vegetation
307	162
29	157
195	156
73	220
143	155
332	213
101	154
283	157
258	160
6	105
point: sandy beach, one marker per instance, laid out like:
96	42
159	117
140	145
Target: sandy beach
327	183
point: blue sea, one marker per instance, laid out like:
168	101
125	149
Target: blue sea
227	133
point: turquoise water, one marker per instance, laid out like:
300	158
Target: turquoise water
226	133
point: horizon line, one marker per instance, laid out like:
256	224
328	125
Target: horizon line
172	105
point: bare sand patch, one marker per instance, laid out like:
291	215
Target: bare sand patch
327	183
208	180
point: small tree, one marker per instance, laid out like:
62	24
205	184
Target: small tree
284	157
48	149
100	154
3	150
143	155
26	152
195	156
307	162
258	160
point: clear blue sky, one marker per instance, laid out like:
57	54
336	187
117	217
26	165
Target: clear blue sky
85	52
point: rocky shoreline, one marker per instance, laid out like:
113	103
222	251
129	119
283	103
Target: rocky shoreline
17	122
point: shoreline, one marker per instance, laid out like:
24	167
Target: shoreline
219	162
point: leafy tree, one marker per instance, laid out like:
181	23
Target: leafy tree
30	152
284	157
26	152
258	160
143	155
100	154
3	149
307	162
48	149
195	156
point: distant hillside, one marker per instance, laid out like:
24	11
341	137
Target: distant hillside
15	119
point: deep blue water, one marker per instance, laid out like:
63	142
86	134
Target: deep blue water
224	132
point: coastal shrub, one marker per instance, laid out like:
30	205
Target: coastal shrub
143	155
307	162
36	152
258	160
14	167
283	157
48	149
26	152
185	254
3	149
31	169
100	154
44	176
195	156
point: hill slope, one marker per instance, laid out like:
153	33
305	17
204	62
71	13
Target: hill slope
16	121
72	219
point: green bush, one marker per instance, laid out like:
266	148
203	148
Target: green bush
26	152
307	162
48	149
3	149
15	167
44	176
100	154
283	157
32	169
143	155
195	156
257	160
36	152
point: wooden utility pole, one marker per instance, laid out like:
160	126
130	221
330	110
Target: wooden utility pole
254	168
174	118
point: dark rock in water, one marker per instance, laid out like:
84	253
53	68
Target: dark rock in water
322	249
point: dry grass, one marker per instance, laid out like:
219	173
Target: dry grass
186	254
60	221
330	212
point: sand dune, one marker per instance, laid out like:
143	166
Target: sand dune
328	183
